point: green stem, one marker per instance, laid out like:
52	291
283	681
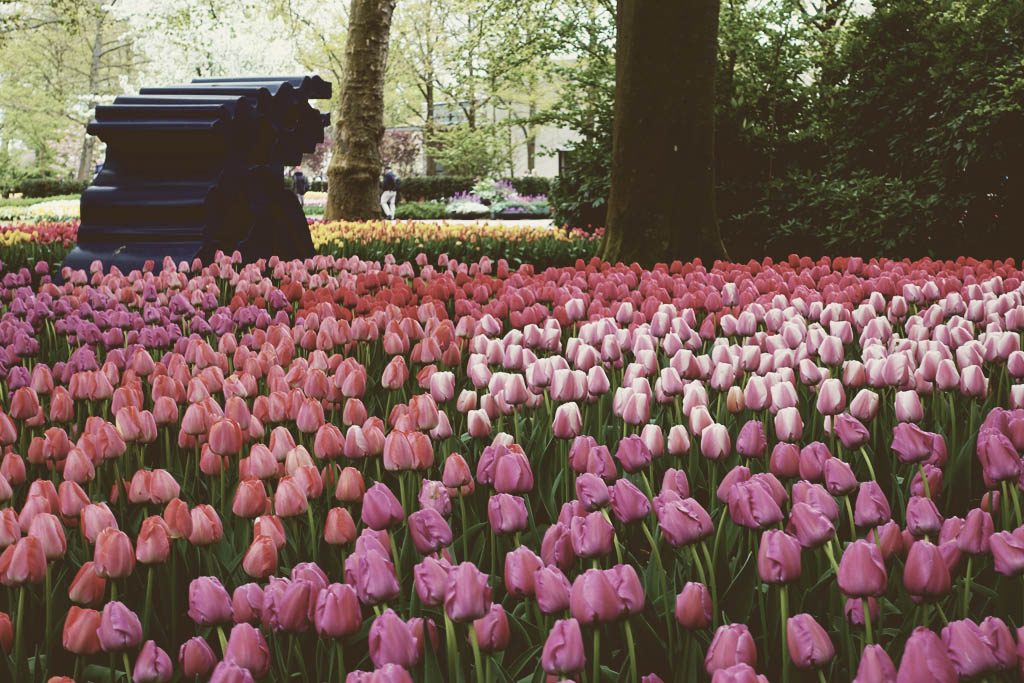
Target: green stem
595	666
454	668
784	618
924	481
631	644
867	620
127	666
867	461
19	632
147	608
477	661
465	527
714	584
967	585
340	651
312	533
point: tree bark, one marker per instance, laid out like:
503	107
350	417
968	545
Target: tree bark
85	159
662	203
352	188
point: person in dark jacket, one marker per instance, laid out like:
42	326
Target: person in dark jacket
300	186
389	192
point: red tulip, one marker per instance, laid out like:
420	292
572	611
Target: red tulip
81	631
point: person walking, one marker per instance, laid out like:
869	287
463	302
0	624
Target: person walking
300	185
389	186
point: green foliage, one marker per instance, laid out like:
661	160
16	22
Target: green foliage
466	151
419	188
579	196
418	211
531	185
865	214
47	186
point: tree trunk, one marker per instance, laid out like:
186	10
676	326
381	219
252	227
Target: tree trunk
85	169
428	132
662	203
352	188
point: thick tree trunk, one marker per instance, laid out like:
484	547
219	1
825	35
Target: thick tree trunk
352	189
662	203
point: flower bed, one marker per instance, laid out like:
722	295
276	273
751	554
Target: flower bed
465	471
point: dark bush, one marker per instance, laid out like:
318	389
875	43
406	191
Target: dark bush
427	188
532	185
49	187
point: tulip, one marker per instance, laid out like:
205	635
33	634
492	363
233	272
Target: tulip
592	535
922	516
113	557
693	606
567	422
250	499
809	645
81	631
731	645
260	560
229	672
751	505
507	513
810	526
119	628
633	453
861	570
206	526
778	557
871	508
152	665
429	531
925	574
381	509
492	630
340	528
971	650
350	487
974	536
563	649
430	579
875	666
208	602
391	641
247	603
592	491
715	443
683	521
628	503
247	649
196	658
751	441
925	659
552	590
593	598
789	424
467	595
337	612
831	397
153	545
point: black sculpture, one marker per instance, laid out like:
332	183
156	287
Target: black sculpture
194	168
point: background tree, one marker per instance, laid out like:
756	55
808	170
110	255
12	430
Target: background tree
662	202
354	170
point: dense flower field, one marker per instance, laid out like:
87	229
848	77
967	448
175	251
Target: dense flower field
451	471
25	244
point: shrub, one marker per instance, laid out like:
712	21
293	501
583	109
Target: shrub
432	187
532	185
420	211
49	187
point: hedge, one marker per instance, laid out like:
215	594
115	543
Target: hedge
430	188
48	187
